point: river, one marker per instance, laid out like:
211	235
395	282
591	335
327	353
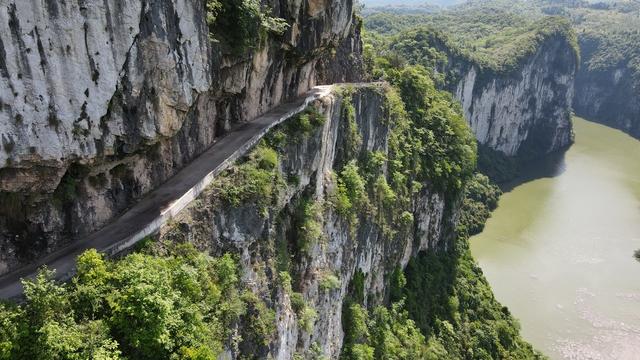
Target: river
558	251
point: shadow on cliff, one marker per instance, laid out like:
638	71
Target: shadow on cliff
509	172
550	166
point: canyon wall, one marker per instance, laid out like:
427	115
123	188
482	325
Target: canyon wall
525	112
517	103
322	251
102	101
608	95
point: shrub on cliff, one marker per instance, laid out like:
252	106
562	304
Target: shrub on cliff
439	142
480	199
241	24
256	179
141	307
383	333
452	303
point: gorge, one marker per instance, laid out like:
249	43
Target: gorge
246	179
559	249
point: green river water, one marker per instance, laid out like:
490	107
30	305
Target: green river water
558	251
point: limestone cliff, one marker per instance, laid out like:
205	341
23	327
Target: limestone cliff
520	104
322	255
609	95
102	101
527	112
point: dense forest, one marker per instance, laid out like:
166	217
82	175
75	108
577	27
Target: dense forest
495	35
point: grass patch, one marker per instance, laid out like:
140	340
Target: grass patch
256	180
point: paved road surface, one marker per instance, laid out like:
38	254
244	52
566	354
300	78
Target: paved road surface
160	205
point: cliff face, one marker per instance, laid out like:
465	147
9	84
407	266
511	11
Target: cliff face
526	112
277	237
102	101
609	95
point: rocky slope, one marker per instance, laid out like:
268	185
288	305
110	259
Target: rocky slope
525	113
608	95
103	107
102	101
516	88
296	227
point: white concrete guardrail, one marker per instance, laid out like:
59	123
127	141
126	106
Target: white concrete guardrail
192	193
162	204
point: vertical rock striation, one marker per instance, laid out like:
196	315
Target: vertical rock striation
266	239
526	112
102	101
609	95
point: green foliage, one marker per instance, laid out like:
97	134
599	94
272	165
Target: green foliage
382	334
260	320
310	228
241	24
495	35
141	307
356	287
609	34
303	124
307	318
452	304
356	344
383	194
353	185
285	281
396	284
257	179
442	306
352	137
429	145
329	281
481	198
351	196
440	147
9	318
297	302
305	314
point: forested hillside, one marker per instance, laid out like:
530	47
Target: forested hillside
495	35
512	73
497	31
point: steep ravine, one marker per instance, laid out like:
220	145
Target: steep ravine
517	104
299	242
270	234
102	102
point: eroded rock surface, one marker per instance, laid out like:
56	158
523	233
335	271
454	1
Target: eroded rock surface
102	101
610	95
263	239
526	112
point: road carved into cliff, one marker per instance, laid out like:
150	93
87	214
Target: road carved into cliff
162	204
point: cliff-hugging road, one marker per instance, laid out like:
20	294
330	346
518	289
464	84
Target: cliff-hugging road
159	206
